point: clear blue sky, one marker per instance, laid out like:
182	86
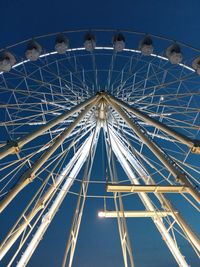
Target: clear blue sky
22	19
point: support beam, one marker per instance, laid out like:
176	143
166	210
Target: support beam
146	188
125	157
134	214
76	222
30	174
194	145
16	232
159	153
121	221
49	215
167	237
15	146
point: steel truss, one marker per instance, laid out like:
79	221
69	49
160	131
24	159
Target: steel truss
53	112
116	144
118	149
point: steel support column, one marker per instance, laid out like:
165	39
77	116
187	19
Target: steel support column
76	222
122	226
163	200
178	175
14	235
15	146
48	217
30	174
150	207
194	145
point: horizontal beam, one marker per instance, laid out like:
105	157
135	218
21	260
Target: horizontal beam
134	214
114	188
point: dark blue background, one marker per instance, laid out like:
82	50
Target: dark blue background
21	19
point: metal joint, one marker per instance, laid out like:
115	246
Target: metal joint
14	144
29	176
196	148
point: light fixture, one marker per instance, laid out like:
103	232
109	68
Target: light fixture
101	214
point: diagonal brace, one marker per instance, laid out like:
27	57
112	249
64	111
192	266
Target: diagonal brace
193	144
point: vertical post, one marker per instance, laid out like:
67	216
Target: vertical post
122	226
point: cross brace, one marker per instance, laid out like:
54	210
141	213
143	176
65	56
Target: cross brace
135	214
146	188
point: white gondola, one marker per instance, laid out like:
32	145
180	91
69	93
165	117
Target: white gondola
118	42
196	65
33	51
7	60
146	46
61	43
173	53
90	42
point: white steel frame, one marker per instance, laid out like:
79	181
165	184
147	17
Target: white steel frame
104	107
113	144
149	206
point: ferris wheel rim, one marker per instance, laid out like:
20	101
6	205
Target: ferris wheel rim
125	141
99	48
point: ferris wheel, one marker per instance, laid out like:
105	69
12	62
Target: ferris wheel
99	114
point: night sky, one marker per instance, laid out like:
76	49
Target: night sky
98	244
